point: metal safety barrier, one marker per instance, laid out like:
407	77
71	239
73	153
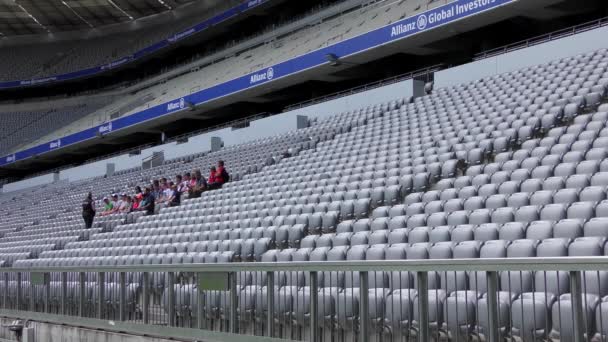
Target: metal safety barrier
527	299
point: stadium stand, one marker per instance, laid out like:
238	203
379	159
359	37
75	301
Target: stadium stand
68	56
508	166
21	127
346	25
466	202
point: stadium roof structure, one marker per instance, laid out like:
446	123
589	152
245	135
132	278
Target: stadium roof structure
33	17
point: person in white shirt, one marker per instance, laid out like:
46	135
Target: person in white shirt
186	183
123	204
115	203
167	193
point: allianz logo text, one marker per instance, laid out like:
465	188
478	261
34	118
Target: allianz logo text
107	128
262	76
11	158
181	104
55	144
252	3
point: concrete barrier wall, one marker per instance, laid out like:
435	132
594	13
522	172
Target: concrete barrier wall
534	55
29	183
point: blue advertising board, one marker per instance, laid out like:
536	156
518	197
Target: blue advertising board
399	30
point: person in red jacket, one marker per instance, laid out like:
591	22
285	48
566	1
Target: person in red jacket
212	181
218	176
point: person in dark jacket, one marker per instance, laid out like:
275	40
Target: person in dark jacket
88	210
221	175
148	201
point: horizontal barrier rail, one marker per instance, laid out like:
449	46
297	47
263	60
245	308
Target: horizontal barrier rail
527	299
570	31
488	264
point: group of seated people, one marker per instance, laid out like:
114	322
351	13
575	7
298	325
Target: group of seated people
163	192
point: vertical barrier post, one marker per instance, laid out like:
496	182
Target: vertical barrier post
171	299
364	306
18	299
423	306
32	290
233	304
64	293
47	292
81	298
199	306
101	294
314	307
146	298
5	293
122	296
577	306
492	297
270	304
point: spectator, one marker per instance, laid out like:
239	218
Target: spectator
115	203
108	208
125	204
88	210
166	194
212	180
198	184
148	202
193	179
164	188
137	198
176	196
219	175
186	182
179	184
156	191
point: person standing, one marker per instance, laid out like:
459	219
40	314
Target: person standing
88	210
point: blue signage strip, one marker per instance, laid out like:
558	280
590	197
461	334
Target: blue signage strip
247	5
402	29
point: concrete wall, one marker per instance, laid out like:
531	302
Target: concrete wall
539	54
45	332
374	96
29	183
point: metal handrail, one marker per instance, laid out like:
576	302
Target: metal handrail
108	311
570	31
427	265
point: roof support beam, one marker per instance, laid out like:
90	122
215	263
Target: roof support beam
120	9
32	17
77	14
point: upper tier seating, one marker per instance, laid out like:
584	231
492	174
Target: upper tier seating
65	57
25	126
333	30
512	165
